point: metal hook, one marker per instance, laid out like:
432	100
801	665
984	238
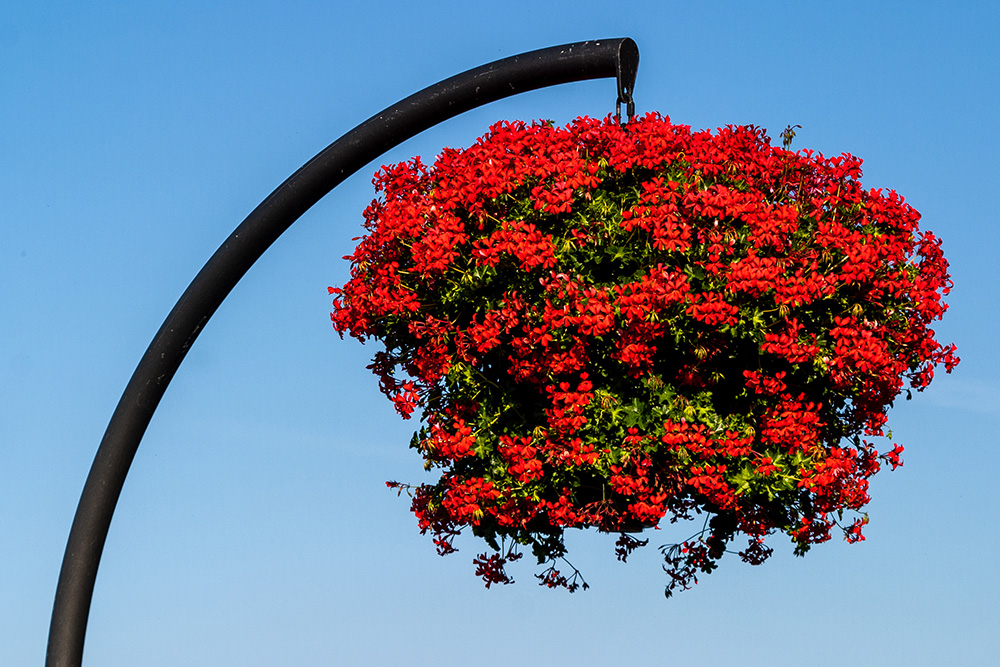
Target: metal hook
627	67
629	109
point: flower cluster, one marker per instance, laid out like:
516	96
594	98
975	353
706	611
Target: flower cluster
611	325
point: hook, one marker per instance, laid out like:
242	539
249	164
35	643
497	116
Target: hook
627	67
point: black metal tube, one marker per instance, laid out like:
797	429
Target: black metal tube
529	71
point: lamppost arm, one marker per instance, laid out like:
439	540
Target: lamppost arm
529	71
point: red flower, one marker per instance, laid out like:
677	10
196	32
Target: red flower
608	326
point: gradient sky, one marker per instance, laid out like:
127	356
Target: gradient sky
255	527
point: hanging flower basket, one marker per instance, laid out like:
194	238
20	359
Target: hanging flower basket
611	325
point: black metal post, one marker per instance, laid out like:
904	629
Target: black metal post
529	71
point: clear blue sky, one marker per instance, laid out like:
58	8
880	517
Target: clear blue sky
254	528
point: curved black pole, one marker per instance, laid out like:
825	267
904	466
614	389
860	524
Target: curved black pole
529	71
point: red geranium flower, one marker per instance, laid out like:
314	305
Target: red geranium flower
610	325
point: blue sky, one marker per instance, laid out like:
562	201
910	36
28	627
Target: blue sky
255	527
